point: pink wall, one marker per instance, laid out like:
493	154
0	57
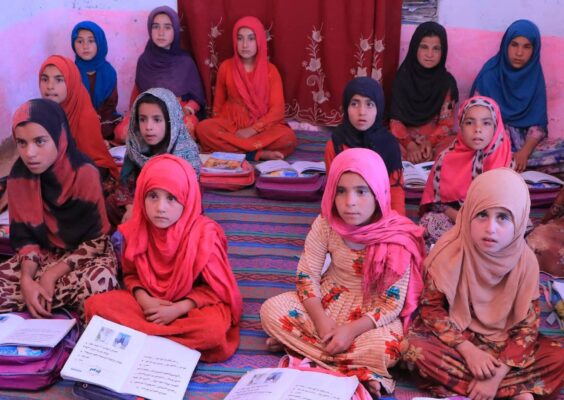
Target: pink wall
469	49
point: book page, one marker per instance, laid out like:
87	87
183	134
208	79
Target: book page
320	386
266	167
301	166
534	177
33	332
162	371
263	383
104	354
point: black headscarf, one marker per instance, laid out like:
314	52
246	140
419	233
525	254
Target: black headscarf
418	92
377	137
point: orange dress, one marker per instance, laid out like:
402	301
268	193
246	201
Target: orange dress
396	179
231	114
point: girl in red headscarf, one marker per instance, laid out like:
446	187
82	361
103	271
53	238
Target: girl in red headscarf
178	278
60	81
248	109
480	145
347	318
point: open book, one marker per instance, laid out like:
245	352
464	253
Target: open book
537	179
284	168
15	330
415	175
224	163
127	361
290	384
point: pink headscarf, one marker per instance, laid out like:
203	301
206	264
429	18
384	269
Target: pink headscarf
393	242
252	86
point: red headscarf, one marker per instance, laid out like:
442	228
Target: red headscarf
168	261
83	120
458	165
393	242
253	86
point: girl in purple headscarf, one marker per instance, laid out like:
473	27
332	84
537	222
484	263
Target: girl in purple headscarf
164	64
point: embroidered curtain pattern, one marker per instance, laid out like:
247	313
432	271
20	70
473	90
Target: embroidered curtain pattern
317	45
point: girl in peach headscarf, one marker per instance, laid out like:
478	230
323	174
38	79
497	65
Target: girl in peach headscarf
248	109
60	81
347	319
477	333
178	278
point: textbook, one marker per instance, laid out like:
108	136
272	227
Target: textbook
15	330
219	162
288	383
284	168
415	175
537	179
128	361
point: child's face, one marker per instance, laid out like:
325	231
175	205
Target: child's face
162	208
492	230
477	128
519	51
354	199
85	45
152	123
429	51
246	44
162	31
362	112
35	147
52	84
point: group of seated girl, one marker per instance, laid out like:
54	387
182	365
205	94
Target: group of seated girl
353	317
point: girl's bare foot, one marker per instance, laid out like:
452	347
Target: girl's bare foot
270	155
274	345
374	388
523	396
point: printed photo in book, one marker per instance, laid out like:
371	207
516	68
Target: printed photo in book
288	383
219	162
130	362
295	169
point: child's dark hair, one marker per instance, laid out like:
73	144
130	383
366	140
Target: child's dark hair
148	98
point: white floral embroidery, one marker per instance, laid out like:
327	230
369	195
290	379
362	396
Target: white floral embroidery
213	60
364	46
316	80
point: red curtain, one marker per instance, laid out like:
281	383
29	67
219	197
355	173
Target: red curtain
317	45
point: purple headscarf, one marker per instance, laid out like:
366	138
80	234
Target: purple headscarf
172	69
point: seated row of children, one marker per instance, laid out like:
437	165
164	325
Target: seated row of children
353	318
176	271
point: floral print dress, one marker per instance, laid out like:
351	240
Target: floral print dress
340	290
536	362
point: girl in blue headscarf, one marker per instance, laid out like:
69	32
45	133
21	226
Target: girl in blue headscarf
514	79
89	43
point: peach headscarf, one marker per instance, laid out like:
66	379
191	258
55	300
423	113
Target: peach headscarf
499	287
252	86
394	243
168	261
83	121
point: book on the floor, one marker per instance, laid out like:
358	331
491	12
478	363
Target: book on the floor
128	361
118	153
288	383
284	168
223	163
15	330
537	179
415	175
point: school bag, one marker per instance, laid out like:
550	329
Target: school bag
229	181
299	188
35	372
87	391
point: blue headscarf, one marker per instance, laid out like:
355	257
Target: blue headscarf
106	76
520	93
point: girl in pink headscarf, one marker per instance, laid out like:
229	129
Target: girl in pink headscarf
347	318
